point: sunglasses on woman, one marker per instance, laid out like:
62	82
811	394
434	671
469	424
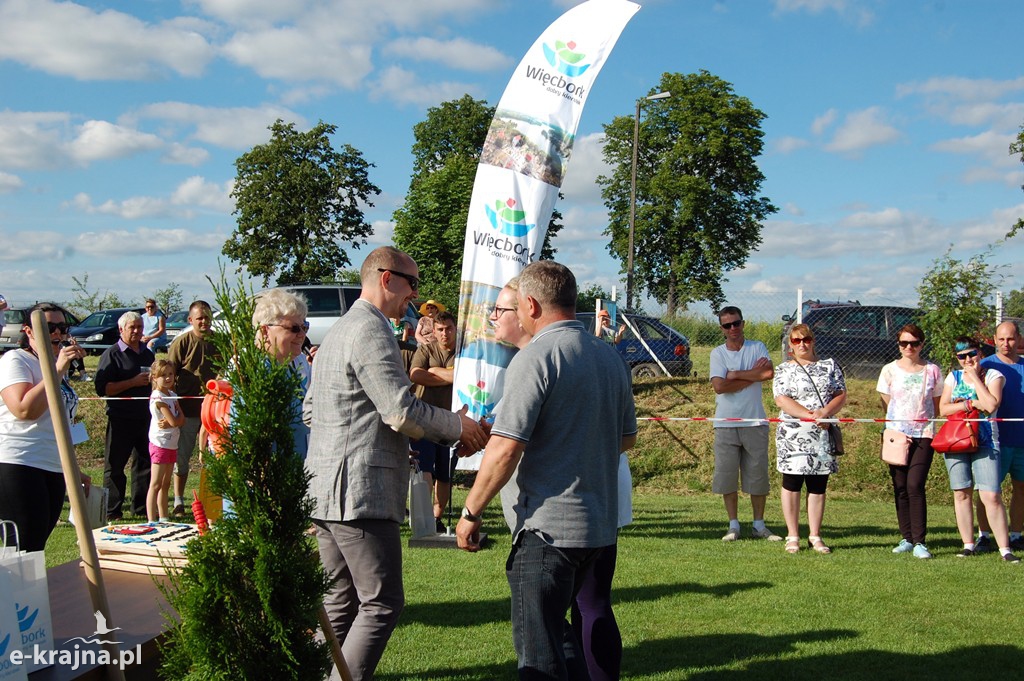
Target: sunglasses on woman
798	341
294	328
967	353
910	344
58	326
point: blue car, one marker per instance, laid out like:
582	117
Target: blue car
670	347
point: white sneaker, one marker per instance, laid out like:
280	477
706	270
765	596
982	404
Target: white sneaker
731	535
765	534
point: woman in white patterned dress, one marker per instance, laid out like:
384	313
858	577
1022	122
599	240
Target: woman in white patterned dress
806	388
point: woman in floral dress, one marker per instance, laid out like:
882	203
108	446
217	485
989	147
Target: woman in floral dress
806	388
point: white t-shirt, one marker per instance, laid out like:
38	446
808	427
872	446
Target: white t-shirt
23	442
746	403
163	437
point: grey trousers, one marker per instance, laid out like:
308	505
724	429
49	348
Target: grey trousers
364	557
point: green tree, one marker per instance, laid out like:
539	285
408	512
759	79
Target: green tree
698	213
430	225
954	296
1017	147
1013	304
169	299
248	599
298	201
86	301
586	300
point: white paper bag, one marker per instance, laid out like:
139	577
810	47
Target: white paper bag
9	634
95	506
421	510
27	573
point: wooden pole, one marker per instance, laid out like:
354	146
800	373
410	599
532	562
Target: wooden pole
73	480
332	641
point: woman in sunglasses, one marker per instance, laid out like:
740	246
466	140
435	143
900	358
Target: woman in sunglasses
806	388
31	478
967	387
910	388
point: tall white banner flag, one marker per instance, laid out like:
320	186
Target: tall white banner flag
521	169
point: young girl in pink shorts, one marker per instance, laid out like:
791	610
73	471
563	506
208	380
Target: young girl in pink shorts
166	419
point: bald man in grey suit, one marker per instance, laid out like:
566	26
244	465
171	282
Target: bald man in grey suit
363	415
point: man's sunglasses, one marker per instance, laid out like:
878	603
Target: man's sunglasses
731	325
910	344
414	282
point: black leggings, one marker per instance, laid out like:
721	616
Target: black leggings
593	620
32	498
908	489
816	484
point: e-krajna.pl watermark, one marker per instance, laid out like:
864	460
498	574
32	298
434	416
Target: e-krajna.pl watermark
77	657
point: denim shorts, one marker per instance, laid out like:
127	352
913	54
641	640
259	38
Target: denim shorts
979	470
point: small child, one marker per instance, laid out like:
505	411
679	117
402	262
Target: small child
166	419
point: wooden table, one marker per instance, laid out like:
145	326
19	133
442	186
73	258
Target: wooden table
136	606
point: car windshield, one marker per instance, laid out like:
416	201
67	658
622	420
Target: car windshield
13	316
96	320
178	317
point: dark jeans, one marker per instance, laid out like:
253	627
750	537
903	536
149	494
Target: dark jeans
544	581
908	488
124	437
32	499
593	620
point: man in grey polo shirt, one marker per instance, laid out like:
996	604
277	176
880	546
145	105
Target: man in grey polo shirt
554	458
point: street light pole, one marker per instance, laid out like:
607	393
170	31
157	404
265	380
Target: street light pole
632	195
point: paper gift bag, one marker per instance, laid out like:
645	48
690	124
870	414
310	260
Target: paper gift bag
421	510
9	634
27	573
95	506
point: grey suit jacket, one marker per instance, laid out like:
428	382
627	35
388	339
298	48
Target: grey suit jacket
362	416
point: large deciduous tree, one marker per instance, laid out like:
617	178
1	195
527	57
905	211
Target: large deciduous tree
299	201
698	212
1018	148
431	223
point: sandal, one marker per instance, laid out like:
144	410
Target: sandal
818	545
792	544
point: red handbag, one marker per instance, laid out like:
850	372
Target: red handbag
958	435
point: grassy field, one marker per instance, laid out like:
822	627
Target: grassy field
693	607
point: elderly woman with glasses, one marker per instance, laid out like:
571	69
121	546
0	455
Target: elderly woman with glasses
807	389
31	478
967	387
910	388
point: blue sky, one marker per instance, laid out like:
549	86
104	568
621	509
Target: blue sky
886	140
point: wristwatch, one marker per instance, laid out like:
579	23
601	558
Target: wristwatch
469	516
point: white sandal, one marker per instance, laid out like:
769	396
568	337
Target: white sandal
818	545
792	544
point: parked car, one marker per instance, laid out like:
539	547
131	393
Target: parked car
326	303
14	319
98	331
176	323
861	338
667	344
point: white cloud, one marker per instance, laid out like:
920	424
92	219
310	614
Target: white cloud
69	39
195	192
585	163
100	140
861	130
786	145
849	9
402	86
10	183
32	140
231	128
457	53
120	242
989	145
967	89
33	246
288	52
824	121
179	154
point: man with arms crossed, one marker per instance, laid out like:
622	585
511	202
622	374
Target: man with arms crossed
1011	433
737	368
554	458
192	354
362	416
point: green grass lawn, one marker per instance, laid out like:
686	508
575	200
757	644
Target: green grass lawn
692	607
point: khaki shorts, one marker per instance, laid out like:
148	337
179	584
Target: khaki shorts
741	451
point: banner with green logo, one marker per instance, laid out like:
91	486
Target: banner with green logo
521	169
